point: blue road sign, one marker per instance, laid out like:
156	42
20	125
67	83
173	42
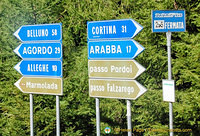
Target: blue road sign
113	29
39	68
38	33
116	49
39	51
168	20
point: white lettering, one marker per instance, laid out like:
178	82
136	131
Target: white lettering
45	85
37	50
105	49
102	30
98	69
92	50
37	33
113	48
97	88
93	28
174	25
122	69
119	89
38	68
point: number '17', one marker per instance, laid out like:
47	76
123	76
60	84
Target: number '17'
128	49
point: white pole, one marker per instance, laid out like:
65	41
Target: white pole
57	116
31	114
97	117
129	118
168	34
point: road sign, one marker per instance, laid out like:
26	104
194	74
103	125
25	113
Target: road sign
38	33
168	20
117	49
40	85
39	68
121	69
121	89
113	29
168	90
39	51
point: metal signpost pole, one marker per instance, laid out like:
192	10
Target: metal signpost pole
162	21
129	130
109	46
168	34
51	59
31	114
57	116
97	117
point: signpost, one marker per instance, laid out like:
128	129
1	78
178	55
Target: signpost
121	69
40	85
38	33
39	50
113	29
169	21
168	90
115	49
110	49
40	68
120	89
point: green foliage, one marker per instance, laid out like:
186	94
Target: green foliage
77	109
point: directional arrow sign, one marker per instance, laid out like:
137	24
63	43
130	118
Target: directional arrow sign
123	69
117	49
39	50
113	29
40	85
121	89
39	68
37	33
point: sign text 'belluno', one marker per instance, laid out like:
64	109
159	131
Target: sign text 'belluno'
38	33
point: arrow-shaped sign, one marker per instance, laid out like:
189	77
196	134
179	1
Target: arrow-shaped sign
39	50
121	69
39	68
121	89
38	33
117	49
40	85
113	29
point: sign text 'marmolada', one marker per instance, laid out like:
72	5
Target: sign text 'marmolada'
39	85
